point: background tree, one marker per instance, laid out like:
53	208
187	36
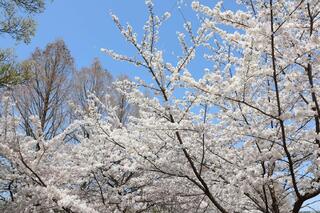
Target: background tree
91	80
44	97
97	81
16	21
8	69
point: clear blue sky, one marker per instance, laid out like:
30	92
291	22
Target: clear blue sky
85	26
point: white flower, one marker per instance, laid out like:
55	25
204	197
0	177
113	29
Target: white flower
167	15
195	5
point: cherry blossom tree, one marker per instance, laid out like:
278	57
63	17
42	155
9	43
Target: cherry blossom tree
263	146
242	138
